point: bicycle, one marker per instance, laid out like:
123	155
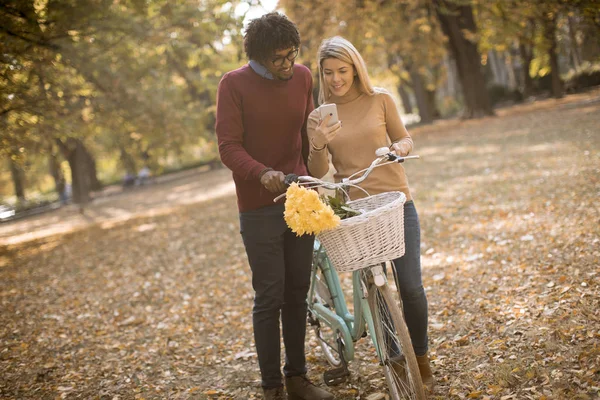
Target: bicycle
376	307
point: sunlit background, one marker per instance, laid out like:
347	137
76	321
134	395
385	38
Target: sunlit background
94	96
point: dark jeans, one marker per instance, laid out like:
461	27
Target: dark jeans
281	264
408	270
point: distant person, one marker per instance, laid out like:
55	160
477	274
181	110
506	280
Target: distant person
128	179
61	188
370	121
143	175
261	129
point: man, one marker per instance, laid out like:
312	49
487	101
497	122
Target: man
262	110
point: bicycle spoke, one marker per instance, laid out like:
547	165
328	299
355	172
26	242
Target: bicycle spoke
328	338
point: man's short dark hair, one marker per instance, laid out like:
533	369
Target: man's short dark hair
267	34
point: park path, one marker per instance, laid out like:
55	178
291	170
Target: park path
115	205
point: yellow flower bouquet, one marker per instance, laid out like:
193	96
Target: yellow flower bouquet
305	213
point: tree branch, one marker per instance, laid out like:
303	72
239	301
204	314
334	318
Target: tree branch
29	40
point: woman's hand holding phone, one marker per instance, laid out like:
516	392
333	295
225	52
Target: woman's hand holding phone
324	133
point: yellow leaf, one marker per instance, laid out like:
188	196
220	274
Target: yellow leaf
494	389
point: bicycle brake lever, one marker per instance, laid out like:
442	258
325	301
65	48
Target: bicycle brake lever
289	179
394	157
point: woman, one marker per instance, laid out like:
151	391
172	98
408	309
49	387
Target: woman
370	121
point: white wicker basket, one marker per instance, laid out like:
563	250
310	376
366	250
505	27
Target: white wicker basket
373	237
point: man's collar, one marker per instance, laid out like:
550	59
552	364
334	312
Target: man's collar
261	69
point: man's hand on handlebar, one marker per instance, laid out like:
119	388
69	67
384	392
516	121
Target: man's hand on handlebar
273	181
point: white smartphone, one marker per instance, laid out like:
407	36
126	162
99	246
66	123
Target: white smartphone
327	109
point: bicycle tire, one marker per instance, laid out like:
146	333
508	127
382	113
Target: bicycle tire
388	317
329	340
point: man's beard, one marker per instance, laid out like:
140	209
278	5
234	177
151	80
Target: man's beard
283	77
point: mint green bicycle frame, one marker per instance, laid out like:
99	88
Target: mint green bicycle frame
350	326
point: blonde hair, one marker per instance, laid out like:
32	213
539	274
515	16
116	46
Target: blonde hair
341	49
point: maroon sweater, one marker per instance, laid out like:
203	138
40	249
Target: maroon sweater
262	123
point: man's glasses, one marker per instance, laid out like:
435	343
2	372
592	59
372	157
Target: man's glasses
291	56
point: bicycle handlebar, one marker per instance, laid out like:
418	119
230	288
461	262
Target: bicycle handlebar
385	157
378	162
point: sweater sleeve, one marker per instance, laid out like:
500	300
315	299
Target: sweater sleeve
318	160
310	106
230	132
395	128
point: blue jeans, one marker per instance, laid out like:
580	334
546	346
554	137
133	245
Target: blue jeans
281	265
408	272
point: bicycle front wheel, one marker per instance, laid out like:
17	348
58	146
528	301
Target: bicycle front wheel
395	346
330	340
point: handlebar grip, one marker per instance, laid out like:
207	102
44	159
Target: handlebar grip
399	159
394	157
290	178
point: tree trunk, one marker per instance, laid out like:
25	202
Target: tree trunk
95	184
452	86
455	20
497	64
18	178
590	50
420	95
405	97
526	57
550	34
79	161
395	60
128	161
574	46
431	103
510	71
58	176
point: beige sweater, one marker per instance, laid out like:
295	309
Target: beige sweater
368	122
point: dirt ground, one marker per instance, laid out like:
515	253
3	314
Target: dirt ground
115	205
148	295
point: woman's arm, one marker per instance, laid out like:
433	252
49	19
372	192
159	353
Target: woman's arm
401	140
318	158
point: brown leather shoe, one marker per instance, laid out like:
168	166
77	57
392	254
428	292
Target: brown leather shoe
275	394
426	374
300	388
